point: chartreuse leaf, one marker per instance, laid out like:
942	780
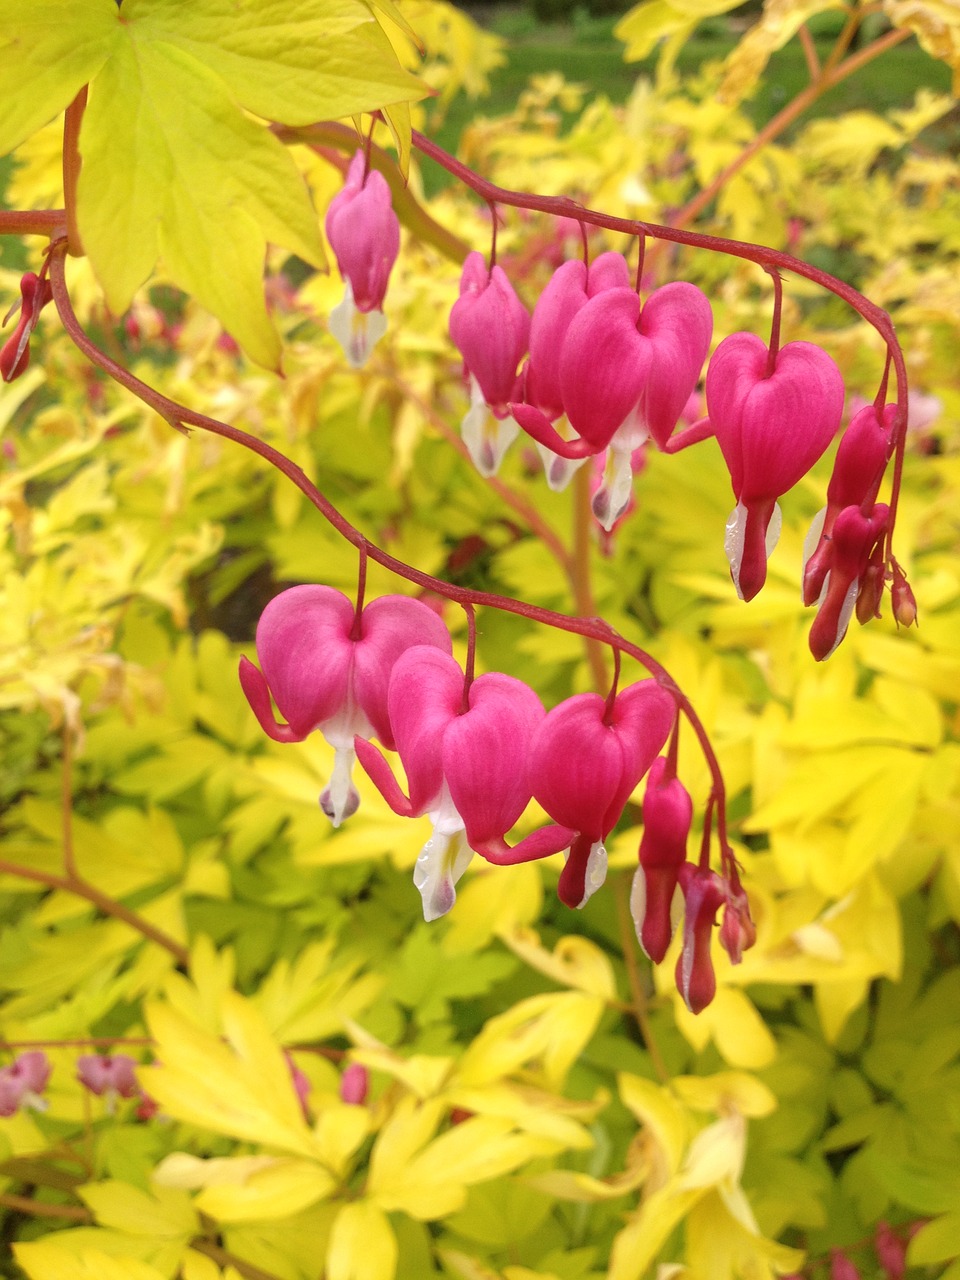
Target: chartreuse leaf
779	22
49	49
164	1213
362	1244
44	1261
241	1088
936	24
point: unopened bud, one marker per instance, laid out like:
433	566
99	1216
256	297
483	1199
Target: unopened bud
903	600
870	593
841	1268
890	1250
354	1084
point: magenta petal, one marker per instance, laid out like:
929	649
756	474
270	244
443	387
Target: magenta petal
604	364
364	233
861	457
381	775
564	296
485	755
608	271
388	627
426	690
678	322
305	652
737	366
643	716
540	429
489	326
538	844
576	765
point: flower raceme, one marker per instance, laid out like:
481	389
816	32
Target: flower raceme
489	326
586	758
464	749
364	233
328	667
773	416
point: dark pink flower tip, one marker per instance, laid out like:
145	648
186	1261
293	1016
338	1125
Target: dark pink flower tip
842	1267
110	1074
585	763
704	895
490	326
354	1084
890	1250
15	353
604	365
771	429
862	455
678	323
301	1084
738	933
364	233
667	815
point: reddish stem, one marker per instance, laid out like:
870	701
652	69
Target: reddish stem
71	169
471	613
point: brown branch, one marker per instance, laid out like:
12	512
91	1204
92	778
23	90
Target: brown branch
42	1209
224	1258
810	52
82	888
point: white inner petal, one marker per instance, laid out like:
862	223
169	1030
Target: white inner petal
638	904
813	537
487	437
442	860
734	535
558	471
596	872
358	332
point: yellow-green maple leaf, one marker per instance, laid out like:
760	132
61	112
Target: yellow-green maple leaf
172	164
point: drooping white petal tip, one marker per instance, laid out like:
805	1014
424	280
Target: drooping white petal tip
734	535
358	332
441	863
487	437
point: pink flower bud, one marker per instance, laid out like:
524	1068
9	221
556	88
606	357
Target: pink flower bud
704	895
771	427
857	472
854	538
903	600
354	1084
23	1081
585	760
301	1083
364	233
738	933
466	767
890	1250
15	353
110	1075
841	1267
489	326
667	814
327	669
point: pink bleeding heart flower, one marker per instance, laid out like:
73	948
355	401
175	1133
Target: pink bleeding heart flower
570	288
586	759
704	894
465	756
364	233
625	373
772	426
23	1081
667	815
111	1075
328	667
890	1250
857	471
489	326
853	539
15	353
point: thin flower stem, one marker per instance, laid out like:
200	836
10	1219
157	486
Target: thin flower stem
178	416
66	805
471	613
774	349
583	601
224	1258
41	1209
356	631
71	169
81	888
810	52
639	1004
33	222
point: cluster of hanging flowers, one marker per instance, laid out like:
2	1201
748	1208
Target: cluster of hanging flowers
476	750
596	372
108	1076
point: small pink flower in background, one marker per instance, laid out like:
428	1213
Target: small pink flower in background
466	767
110	1075
329	669
354	1084
489	326
704	893
841	1267
364	233
23	1082
771	427
667	815
890	1250
586	759
15	353
738	933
